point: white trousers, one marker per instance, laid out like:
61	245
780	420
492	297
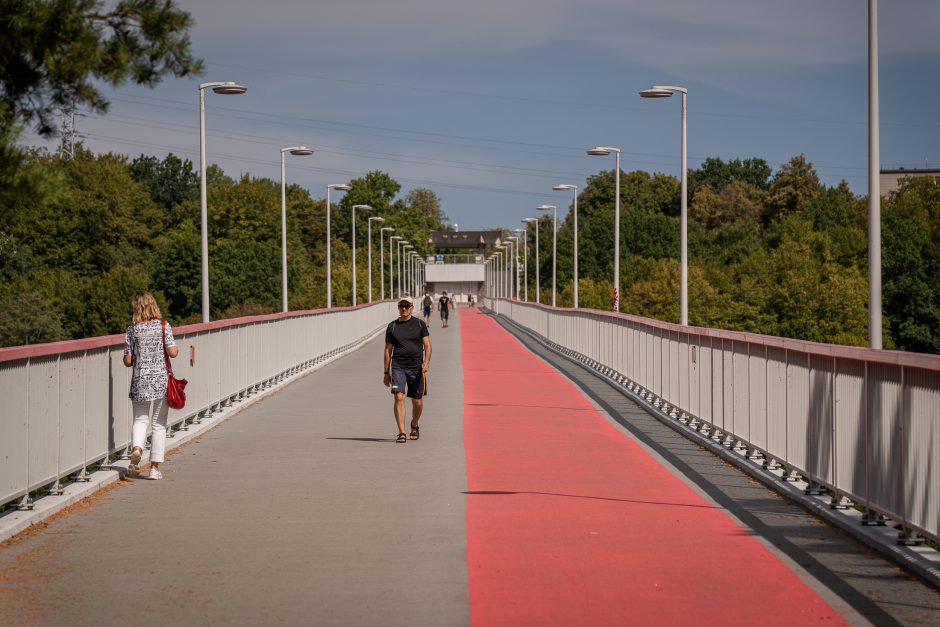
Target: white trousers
146	412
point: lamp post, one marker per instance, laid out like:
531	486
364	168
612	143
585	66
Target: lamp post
524	234
225	89
300	151
382	259
874	184
398	248
329	272
394	239
408	249
603	151
574	199
554	210
535	223
514	277
666	91
402	267
371	220
354	208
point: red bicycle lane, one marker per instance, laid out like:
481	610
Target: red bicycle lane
571	522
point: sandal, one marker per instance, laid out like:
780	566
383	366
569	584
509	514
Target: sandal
414	432
402	438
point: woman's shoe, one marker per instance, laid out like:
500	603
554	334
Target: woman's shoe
155	474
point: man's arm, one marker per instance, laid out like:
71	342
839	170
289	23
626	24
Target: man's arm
387	376
427	354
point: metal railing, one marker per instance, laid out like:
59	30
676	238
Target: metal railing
861	423
66	407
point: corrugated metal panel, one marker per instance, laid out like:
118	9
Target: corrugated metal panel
14	435
850	416
884	437
757	406
740	402
820	446
798	409
777	402
922	443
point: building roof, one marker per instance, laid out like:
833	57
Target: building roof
465	239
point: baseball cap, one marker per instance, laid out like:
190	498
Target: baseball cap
406	299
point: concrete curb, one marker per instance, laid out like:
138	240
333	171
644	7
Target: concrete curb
922	561
17	521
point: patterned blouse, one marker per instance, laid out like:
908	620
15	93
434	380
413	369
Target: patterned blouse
142	342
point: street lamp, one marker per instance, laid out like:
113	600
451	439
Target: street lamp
225	89
524	234
666	91
404	266
382	259
300	151
603	151
329	272
535	222
398	247
391	263
371	220
514	277
363	208
554	211
574	194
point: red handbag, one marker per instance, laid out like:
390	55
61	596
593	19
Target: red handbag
175	388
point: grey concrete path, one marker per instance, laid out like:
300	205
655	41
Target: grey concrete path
300	510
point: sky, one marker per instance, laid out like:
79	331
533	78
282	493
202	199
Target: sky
491	103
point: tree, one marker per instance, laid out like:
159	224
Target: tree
170	181
716	174
54	53
794	184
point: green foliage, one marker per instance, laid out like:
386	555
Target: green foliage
170	181
56	52
769	252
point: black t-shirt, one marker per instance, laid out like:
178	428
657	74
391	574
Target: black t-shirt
407	340
444	302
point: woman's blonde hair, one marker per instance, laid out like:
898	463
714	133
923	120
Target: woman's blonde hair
145	308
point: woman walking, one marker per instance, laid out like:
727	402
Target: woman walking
144	344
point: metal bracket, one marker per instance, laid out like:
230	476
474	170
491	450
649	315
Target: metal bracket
25	504
814	488
873	519
909	537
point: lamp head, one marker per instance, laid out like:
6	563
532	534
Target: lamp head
564	187
598	151
362	207
530	220
229	88
300	151
519	230
662	91
341	186
376	219
390	229
546	207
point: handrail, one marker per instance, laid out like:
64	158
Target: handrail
863	424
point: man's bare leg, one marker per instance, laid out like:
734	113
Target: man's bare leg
417	405
400	411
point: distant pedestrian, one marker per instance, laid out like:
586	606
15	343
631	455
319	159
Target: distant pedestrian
443	304
428	305
407	357
144	343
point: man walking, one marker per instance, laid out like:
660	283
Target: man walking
428	305
443	303
407	357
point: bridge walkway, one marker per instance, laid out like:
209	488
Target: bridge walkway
535	499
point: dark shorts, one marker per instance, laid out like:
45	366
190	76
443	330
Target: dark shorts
409	380
444	314
427	312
